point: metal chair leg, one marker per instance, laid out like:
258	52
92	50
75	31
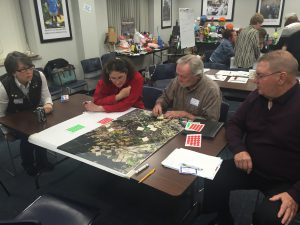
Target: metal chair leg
5	189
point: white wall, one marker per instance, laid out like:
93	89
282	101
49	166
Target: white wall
88	31
243	10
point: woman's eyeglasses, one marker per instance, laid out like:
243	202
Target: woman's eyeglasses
25	69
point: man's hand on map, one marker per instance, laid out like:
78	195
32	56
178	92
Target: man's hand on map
157	110
179	114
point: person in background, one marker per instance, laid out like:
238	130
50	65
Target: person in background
266	150
225	50
191	94
290	36
262	33
290	18
120	89
247	49
24	88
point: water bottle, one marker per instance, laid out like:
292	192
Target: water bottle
65	92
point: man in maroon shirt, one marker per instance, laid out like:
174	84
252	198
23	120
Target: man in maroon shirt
263	136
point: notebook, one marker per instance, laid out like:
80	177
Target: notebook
210	129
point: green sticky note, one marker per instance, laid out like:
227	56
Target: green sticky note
188	124
75	128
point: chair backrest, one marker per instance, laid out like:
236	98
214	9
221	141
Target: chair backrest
106	57
224	112
91	67
150	94
217	66
51	210
25	222
162	71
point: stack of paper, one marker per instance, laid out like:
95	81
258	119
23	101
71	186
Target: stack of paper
242	80
217	77
208	165
224	72
233	73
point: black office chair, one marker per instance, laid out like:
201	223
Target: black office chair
224	112
50	210
108	56
92	70
162	74
150	94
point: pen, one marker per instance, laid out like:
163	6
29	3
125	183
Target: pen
147	175
193	167
141	168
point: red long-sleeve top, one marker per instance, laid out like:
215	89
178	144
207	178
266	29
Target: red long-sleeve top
105	95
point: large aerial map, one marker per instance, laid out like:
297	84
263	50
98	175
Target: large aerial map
123	144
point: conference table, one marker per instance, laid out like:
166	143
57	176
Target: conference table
155	52
166	180
236	91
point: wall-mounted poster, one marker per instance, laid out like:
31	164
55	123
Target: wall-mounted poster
272	11
214	9
166	14
53	20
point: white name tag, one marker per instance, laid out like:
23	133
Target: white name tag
194	102
18	100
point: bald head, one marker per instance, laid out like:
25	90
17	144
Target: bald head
281	61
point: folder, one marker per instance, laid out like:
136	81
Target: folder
208	165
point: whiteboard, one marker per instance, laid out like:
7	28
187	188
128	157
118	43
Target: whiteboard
186	21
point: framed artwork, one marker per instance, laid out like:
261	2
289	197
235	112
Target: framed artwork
214	9
166	14
53	20
272	11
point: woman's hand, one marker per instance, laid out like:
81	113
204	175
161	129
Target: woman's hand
48	108
92	107
124	93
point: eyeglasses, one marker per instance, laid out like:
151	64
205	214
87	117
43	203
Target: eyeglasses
25	69
259	76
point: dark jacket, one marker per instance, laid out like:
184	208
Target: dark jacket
17	100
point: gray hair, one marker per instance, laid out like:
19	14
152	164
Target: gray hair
195	63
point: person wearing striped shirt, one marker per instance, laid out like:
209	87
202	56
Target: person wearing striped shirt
247	49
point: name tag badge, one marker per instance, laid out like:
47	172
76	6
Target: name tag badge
194	102
18	100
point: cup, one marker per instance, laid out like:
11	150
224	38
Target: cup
252	74
41	114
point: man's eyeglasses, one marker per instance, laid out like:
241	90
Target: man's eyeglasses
25	69
259	76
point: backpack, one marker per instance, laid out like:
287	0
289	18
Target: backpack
60	71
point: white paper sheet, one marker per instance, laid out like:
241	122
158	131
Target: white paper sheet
57	135
209	165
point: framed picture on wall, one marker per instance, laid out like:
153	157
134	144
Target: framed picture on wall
272	11
53	20
218	8
166	14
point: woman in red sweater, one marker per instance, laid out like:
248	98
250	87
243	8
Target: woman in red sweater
120	88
